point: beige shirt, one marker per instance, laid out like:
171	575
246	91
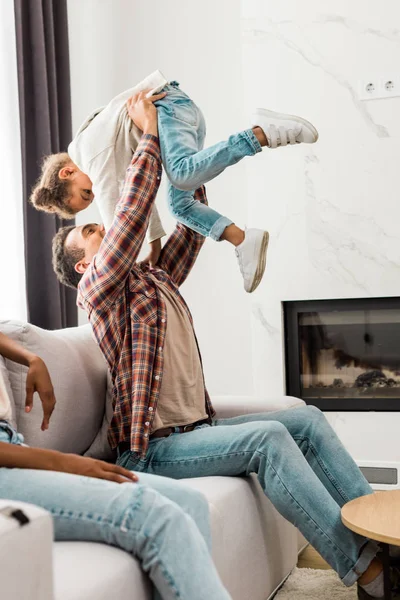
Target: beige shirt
5	404
103	149
182	393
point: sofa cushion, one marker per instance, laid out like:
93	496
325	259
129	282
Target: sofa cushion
90	571
234	406
6	381
79	375
100	447
254	549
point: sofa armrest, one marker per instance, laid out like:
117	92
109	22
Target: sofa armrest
26	553
234	406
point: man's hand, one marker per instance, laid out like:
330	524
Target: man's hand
38	380
143	112
90	467
154	254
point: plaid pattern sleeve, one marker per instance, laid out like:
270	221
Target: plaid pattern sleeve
182	248
107	274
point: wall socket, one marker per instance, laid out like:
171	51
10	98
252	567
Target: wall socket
378	88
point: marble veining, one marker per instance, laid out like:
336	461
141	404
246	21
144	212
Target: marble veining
313	57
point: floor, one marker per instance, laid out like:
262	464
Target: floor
310	559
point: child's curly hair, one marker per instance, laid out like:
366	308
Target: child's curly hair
50	192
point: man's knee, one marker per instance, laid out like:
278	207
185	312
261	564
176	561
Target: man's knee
310	413
312	420
266	433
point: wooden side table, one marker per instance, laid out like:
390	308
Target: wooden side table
377	517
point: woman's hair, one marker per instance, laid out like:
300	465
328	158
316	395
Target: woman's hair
50	192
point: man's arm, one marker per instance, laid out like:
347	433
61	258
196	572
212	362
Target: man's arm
182	248
107	274
37	380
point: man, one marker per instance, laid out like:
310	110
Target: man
163	419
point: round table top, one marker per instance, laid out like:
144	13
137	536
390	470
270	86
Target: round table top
376	516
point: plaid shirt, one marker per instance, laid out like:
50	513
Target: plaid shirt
124	304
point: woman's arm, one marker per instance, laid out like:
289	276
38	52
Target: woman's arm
21	457
37	380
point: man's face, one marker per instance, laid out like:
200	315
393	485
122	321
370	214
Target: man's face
88	238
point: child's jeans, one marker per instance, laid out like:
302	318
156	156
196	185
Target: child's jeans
182	131
157	520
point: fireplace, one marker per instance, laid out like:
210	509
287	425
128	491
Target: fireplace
344	354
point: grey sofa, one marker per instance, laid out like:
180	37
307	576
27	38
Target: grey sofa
254	548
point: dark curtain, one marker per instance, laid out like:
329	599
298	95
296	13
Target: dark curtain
45	117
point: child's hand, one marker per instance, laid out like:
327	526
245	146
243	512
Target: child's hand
143	112
154	255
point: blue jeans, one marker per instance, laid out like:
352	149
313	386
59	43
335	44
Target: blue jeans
301	465
156	520
182	131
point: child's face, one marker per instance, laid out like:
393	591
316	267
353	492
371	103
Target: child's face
80	187
81	191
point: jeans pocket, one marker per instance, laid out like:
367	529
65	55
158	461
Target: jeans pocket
9	434
131	461
185	110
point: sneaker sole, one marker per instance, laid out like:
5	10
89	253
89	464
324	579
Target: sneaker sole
273	114
262	259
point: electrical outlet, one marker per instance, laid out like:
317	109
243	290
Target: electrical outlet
368	89
389	86
379	88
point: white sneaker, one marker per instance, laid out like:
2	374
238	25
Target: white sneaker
252	255
281	129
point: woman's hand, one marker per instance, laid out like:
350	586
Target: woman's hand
90	467
38	380
143	112
22	457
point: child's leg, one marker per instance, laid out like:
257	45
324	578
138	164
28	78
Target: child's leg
192	213
182	131
188	131
201	218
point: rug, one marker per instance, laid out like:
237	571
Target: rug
315	584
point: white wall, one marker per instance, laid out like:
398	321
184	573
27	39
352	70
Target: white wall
114	44
333	208
12	246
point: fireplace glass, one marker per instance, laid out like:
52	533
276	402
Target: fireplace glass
344	354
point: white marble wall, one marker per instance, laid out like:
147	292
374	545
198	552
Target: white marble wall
332	209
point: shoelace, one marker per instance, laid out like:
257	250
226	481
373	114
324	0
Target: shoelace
280	136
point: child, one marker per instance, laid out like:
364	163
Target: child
100	153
